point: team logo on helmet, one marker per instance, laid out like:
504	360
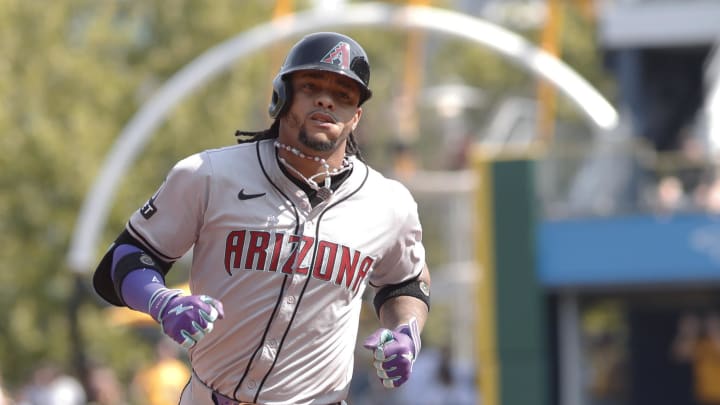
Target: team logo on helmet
339	55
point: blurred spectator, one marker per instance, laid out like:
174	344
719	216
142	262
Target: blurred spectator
4	396
50	386
698	341
670	196
707	196
162	382
105	388
607	369
656	144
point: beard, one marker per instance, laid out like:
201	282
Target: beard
316	145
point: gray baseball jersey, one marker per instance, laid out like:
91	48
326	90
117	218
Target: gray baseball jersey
290	277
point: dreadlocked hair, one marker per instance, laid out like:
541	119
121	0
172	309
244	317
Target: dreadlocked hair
351	148
253	136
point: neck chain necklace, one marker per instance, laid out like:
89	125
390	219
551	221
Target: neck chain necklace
324	191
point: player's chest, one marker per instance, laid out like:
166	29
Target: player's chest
287	235
254	212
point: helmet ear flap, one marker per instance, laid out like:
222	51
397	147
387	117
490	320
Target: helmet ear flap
280	96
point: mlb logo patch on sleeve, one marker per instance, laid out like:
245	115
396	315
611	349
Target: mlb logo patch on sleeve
148	210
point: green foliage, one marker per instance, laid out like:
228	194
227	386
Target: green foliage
72	73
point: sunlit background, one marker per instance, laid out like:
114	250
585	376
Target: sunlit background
563	154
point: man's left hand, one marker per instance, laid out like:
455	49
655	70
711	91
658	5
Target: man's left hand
394	352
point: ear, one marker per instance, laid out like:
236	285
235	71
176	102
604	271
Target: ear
356	119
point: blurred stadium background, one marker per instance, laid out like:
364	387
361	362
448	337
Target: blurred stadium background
574	262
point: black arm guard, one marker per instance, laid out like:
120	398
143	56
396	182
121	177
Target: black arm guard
102	279
413	288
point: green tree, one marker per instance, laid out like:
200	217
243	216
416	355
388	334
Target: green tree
72	73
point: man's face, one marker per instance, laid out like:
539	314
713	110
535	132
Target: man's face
324	109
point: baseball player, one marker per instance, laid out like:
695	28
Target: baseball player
287	229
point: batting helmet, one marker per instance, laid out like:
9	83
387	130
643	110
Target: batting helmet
327	51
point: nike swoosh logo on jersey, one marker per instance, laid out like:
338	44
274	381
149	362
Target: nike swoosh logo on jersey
243	196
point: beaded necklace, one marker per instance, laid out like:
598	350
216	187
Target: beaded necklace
324	192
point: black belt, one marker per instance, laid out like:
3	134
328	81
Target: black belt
219	399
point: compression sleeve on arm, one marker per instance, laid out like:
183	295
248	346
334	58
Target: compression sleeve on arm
135	277
135	285
106	273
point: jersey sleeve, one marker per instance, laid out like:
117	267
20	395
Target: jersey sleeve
405	257
170	221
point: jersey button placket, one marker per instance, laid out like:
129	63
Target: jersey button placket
268	353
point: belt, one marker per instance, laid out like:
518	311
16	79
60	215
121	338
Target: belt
220	399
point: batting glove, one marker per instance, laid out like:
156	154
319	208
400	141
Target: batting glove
185	318
394	352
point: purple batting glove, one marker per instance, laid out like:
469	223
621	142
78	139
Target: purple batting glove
394	352
185	318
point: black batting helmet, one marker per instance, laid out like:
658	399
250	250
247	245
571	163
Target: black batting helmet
327	51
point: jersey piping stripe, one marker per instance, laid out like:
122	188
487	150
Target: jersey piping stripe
292	318
282	288
260	345
362	183
148	245
307	281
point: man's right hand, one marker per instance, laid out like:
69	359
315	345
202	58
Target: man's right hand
185	318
